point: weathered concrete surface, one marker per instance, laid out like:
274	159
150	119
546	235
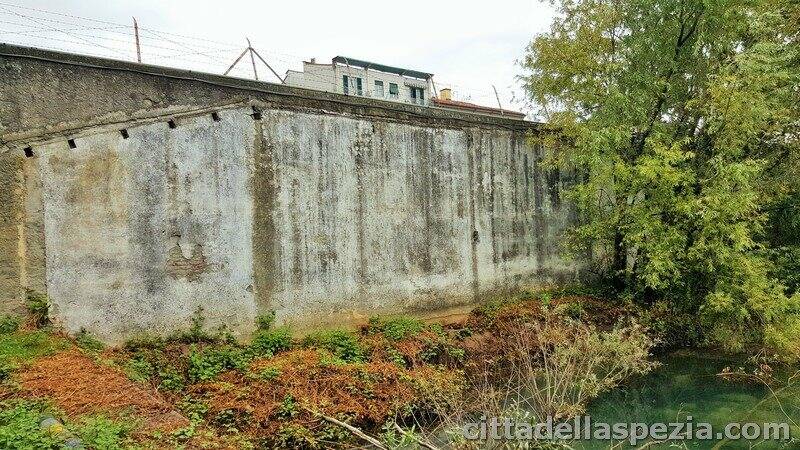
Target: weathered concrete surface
326	209
21	232
125	219
380	217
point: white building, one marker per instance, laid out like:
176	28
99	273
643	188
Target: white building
350	76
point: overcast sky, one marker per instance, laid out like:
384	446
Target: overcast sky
467	45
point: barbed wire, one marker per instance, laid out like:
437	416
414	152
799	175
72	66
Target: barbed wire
24	25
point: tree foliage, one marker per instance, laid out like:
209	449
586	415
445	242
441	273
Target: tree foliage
682	118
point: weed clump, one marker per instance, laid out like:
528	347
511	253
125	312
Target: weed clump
266	321
269	373
196	333
38	307
288	407
193	408
574	310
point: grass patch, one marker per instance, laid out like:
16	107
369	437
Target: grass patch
20	347
9	324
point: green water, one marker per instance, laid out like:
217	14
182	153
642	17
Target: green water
687	384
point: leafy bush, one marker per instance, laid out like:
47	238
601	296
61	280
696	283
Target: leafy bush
341	343
397	328
488	310
9	324
545	298
231	420
783	337
672	328
786	263
328	359
288	407
206	364
296	436
6	369
396	357
270	342
441	350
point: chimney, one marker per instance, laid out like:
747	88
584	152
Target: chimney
445	94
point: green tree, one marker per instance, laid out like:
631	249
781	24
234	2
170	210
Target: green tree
681	119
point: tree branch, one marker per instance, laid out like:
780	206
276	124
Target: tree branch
349	428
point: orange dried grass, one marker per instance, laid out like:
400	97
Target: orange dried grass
78	385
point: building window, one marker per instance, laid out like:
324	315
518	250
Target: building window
417	95
378	89
393	90
352	82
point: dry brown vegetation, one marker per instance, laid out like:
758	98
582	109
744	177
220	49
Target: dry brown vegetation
202	391
79	385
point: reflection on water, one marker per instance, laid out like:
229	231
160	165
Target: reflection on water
686	385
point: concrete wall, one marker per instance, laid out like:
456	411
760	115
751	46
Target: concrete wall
326	209
140	232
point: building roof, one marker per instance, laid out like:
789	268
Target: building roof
383	68
465	106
